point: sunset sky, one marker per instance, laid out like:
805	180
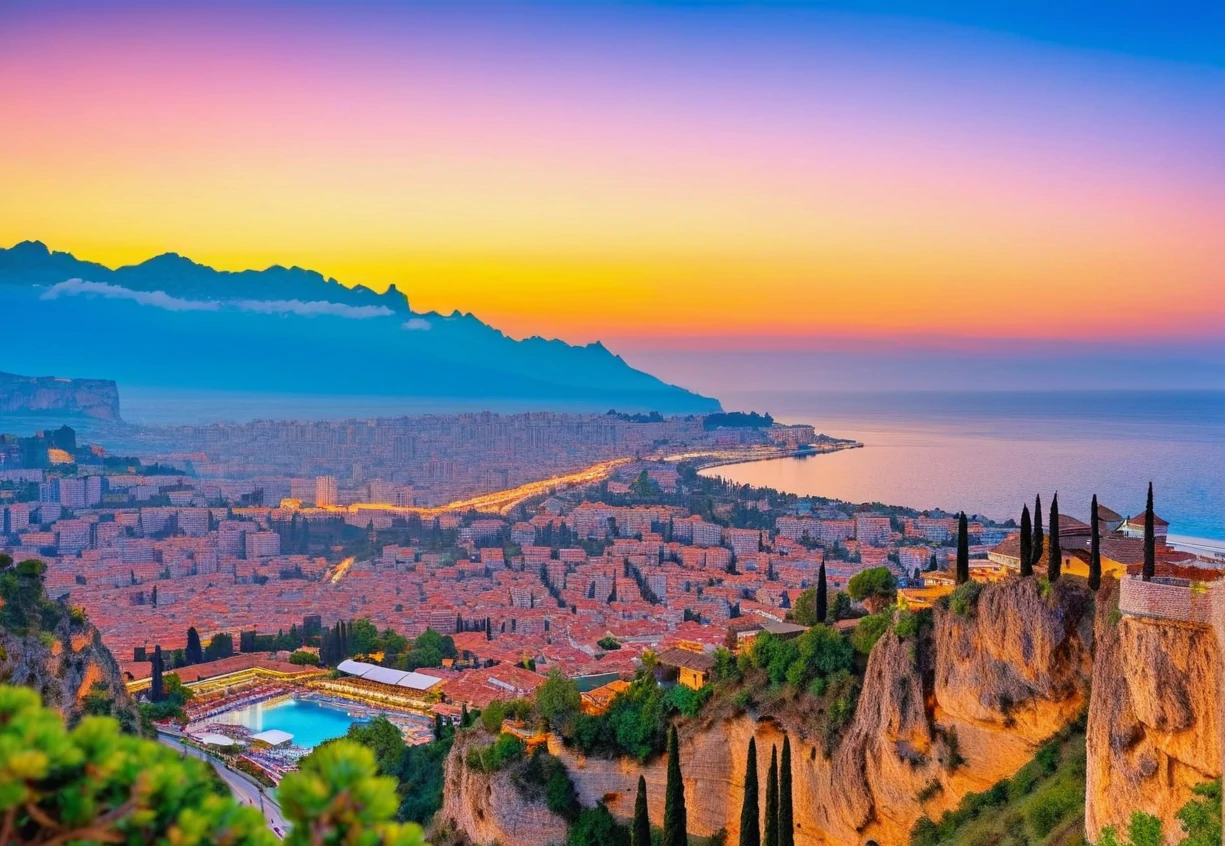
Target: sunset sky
701	176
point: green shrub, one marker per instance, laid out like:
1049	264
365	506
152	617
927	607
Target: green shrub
869	630
1201	817
964	599
906	624
842	694
875	582
1143	830
544	778
506	750
1045	587
1022	784
597	826
726	668
635	723
1047	757
687	700
492	716
1050	807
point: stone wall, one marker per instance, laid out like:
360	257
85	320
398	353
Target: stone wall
1172	599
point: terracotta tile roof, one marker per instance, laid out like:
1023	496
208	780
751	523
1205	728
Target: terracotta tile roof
688	659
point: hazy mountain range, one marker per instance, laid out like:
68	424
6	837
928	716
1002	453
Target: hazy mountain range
170	322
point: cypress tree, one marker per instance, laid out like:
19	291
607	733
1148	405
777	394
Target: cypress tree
786	820
1038	546
1150	539
194	654
750	813
438	726
157	691
1054	558
1027	544
463	715
676	822
771	833
640	833
1095	549
822	595
963	550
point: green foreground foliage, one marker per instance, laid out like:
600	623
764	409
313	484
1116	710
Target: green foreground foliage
94	784
417	770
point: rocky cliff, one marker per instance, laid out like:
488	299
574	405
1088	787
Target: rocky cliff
70	668
948	712
488	808
1154	728
46	394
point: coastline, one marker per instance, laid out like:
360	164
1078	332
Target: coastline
735	457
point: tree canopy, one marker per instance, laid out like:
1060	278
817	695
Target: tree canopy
95	784
873	582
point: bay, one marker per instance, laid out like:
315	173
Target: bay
990	452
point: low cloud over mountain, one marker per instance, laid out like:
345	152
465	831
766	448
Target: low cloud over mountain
170	322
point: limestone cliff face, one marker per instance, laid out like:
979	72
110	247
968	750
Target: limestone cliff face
41	394
1154	727
988	687
488	808
63	666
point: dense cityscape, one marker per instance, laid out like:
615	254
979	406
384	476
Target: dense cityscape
670	423
426	571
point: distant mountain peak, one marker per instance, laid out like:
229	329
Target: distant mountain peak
31	248
171	260
173	322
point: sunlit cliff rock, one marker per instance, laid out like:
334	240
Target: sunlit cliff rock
1154	727
951	711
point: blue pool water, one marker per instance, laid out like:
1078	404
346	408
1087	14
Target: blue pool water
310	723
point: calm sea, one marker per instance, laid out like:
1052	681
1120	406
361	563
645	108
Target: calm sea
988	453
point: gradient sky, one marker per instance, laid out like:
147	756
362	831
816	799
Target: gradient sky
698	176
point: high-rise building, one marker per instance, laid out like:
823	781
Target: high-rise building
325	491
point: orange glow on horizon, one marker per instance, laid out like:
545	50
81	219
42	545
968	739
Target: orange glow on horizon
944	187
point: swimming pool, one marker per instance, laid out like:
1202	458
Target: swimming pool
308	721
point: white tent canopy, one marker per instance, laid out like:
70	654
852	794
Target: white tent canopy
212	739
354	668
386	675
383	675
418	681
273	737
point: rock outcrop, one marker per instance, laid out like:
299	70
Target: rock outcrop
47	394
949	712
1154	729
488	808
65	665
